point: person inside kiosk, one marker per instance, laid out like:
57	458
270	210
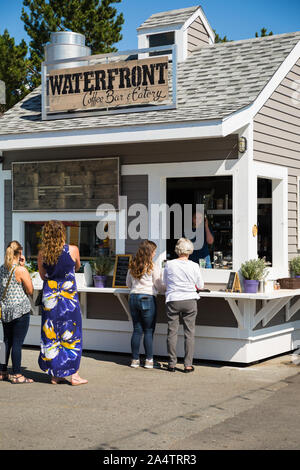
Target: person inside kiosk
202	253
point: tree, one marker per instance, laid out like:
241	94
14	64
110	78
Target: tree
219	39
263	33
13	69
97	20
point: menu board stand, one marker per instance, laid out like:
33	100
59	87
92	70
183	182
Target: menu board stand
120	271
234	284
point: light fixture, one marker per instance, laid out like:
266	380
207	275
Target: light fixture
242	144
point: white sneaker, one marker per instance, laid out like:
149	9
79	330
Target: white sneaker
149	364
135	363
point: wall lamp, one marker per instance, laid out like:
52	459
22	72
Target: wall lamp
242	144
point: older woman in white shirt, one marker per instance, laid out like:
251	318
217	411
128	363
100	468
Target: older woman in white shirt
182	277
144	281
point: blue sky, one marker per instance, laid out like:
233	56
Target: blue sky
237	19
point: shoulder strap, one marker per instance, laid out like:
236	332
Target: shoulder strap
8	282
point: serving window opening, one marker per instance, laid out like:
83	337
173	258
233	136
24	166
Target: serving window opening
215	193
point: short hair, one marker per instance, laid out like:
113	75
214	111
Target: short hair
184	247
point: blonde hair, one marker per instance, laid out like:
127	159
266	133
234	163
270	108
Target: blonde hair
13	249
142	262
184	247
53	240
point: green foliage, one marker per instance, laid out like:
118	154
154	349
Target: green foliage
219	39
102	266
263	33
97	20
295	266
254	269
13	69
31	266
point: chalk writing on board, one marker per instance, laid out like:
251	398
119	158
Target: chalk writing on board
120	271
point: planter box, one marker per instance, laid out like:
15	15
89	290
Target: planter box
289	283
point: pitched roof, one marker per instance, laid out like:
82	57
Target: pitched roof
169	17
214	82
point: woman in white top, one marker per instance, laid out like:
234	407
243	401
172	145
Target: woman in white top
182	278
144	281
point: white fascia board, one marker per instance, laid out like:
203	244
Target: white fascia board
79	137
244	116
160	29
200	13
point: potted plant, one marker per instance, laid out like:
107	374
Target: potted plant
101	268
253	271
295	267
31	268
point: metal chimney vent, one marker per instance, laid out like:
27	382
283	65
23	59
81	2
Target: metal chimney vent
66	45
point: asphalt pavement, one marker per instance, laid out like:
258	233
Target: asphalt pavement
217	407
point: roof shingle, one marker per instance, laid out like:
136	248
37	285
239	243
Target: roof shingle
215	81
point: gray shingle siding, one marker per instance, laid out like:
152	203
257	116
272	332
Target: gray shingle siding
277	140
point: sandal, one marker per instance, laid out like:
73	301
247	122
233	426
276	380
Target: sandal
190	369
16	380
76	382
57	380
3	376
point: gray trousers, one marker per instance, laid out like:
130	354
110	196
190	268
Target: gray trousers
188	310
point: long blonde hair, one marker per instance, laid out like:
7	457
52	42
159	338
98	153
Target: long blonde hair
53	240
142	262
13	249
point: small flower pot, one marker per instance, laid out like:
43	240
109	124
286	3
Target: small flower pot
250	286
100	281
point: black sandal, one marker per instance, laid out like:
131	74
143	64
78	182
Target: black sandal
16	380
189	370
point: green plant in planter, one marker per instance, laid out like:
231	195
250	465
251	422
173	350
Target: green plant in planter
254	269
102	266
295	266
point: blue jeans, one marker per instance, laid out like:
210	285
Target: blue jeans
14	336
143	313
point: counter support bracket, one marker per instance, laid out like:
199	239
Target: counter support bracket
268	311
124	302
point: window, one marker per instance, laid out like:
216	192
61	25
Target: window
215	193
162	39
81	234
264	219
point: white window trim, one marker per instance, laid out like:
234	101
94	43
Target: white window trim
279	177
4	175
244	208
157	177
298	212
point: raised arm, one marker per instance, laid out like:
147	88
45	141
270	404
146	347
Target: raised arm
74	252
41	268
23	276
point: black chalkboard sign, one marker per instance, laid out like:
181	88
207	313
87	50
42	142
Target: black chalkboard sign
233	284
120	271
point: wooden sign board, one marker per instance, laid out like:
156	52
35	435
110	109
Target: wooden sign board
233	284
120	271
74	185
124	83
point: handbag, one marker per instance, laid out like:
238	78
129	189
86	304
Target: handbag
39	299
5	292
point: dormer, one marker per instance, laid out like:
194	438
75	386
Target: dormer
188	28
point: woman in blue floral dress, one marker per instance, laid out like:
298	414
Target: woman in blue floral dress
61	333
